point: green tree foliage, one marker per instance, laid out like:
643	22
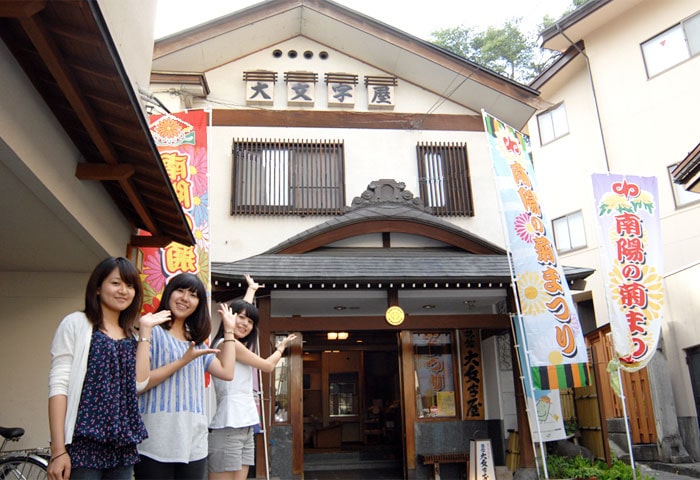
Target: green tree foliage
507	50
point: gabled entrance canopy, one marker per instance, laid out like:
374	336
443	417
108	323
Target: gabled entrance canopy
464	273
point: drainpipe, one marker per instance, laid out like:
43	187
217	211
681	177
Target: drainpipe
595	97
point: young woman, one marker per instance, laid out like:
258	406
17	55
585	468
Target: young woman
93	411
172	407
231	446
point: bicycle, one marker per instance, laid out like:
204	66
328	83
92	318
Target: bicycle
21	464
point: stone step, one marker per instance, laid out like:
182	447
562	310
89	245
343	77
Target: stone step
352	460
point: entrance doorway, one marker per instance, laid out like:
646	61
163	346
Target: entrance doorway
352	404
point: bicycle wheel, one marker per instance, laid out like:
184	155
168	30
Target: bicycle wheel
22	468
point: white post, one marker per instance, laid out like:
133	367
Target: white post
531	388
261	399
627	426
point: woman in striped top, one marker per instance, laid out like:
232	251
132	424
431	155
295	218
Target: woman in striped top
173	407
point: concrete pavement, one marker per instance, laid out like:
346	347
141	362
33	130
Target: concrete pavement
670	471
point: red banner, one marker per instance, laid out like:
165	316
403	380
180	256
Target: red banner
181	139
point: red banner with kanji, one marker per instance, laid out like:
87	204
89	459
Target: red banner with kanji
181	139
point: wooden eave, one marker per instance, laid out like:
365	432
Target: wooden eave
196	79
385	225
565	59
66	51
687	172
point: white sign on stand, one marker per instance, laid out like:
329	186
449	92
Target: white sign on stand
481	460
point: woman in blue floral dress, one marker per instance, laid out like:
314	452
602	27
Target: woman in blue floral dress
93	408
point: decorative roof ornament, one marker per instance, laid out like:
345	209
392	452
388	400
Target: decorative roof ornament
387	191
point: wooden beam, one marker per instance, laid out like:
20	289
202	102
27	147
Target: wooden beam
21	9
102	172
333	119
52	57
378	322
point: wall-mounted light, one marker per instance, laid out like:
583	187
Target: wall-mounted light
428	307
338	335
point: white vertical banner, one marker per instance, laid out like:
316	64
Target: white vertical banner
630	239
545	409
557	351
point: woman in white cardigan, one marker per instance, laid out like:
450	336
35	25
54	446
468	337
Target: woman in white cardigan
93	411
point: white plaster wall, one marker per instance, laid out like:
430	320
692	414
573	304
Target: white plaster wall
228	88
33	306
45	160
369	155
132	24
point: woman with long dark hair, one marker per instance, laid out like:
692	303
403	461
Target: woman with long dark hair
173	405
93	381
231	446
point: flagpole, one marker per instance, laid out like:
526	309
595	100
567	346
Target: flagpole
627	426
532	390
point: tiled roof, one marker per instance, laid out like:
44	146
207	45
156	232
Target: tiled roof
375	265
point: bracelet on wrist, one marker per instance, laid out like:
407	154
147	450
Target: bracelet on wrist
229	340
228	331
142	339
54	457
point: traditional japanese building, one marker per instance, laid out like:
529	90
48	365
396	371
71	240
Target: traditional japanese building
350	174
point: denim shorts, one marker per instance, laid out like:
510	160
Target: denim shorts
230	449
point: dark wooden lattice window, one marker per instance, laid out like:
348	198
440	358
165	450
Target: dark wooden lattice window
443	172
288	178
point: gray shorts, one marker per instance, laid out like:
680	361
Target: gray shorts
230	449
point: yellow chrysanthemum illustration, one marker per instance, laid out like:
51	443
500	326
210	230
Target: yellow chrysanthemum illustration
653	292
614	203
531	293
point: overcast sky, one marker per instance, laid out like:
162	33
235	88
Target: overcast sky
417	17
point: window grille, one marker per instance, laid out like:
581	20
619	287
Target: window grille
444	181
288	177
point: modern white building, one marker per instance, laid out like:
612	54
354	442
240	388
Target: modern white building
623	101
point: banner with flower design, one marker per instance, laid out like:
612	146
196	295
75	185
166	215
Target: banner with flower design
181	139
630	239
551	325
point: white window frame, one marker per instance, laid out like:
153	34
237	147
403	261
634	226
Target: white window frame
681	196
567	236
672	46
552	124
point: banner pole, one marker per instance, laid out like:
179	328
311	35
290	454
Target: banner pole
261	399
627	426
532	393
